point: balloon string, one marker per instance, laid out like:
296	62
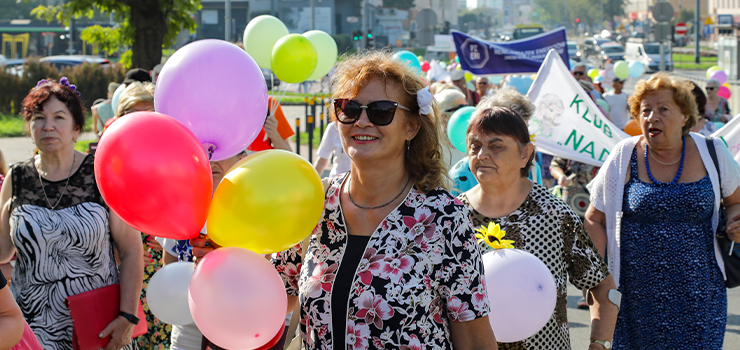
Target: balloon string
211	149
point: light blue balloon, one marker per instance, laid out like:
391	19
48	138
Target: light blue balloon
599	79
637	69
410	59
457	127
572	64
719	125
116	97
521	84
495	79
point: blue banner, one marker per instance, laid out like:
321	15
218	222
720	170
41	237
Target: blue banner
520	56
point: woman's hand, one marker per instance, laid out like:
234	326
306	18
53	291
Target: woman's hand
733	228
271	128
202	246
154	244
564	181
120	331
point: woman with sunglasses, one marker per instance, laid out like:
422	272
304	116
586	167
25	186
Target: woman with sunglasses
717	108
392	263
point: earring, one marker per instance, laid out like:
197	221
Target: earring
408	145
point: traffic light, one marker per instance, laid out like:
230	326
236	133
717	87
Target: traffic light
369	35
370	40
578	20
356	36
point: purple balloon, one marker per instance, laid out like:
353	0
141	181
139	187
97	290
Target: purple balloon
719	75
217	90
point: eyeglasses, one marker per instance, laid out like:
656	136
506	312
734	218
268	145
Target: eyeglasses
579	73
378	112
482	83
710	88
453	109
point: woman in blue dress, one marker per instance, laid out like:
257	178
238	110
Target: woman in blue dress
654	211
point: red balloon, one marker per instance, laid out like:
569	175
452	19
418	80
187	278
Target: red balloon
425	66
152	171
273	341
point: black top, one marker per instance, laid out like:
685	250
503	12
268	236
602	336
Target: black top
342	284
3	281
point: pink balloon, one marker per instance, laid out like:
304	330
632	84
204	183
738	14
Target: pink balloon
217	90
719	75
237	299
602	73
724	92
425	66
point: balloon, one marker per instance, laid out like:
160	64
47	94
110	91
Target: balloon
457	127
513	274
727	85
724	92
326	51
599	79
603	104
218	92
468	76
602	73
294	58
153	173
425	66
632	128
712	69
443	64
116	97
270	344
260	36
237	299
167	293
637	69
571	64
719	75
719	125
521	84
457	59
420	58
410	59
268	204
621	70
592	73
495	79
470	86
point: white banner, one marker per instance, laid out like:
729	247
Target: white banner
730	133
567	123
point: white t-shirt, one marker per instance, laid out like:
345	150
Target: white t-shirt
619	112
330	144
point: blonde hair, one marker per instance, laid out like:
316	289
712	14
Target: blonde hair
446	100
682	96
438	87
423	161
134	93
509	98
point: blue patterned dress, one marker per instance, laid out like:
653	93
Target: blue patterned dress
673	292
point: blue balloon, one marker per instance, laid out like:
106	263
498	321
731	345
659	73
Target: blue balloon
116	97
719	125
637	69
521	84
410	59
572	64
457	127
495	79
599	79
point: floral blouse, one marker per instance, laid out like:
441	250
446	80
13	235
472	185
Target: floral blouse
421	270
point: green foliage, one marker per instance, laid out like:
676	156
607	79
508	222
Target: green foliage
685	15
399	4
17	9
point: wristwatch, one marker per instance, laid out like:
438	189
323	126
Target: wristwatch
131	318
605	343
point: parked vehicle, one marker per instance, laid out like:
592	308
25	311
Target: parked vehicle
592	46
611	50
574	51
271	80
62	61
648	54
526	30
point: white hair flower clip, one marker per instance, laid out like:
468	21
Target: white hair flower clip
424	98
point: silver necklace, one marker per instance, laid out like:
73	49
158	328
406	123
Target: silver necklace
74	157
379	206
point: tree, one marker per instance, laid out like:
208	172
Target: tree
146	26
399	4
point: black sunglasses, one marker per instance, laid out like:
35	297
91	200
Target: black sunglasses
709	88
453	109
378	112
579	73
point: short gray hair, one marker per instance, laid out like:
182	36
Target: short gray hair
714	82
512	99
579	66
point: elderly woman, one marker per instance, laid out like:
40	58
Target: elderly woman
703	125
500	154
64	234
449	101
390	233
717	108
654	211
461	173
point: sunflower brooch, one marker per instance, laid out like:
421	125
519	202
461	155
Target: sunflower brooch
493	236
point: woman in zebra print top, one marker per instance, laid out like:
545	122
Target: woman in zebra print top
54	217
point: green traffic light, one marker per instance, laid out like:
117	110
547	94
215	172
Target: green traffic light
369	35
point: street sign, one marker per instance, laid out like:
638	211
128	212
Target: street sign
681	28
709	21
662	11
662	31
353	19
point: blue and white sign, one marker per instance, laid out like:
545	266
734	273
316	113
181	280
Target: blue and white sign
520	56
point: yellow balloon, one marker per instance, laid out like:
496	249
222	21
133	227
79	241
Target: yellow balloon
269	203
468	76
727	85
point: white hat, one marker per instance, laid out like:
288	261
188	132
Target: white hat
457	74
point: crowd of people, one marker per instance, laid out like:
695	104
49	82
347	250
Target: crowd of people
393	262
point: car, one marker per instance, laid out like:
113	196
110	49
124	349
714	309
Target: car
613	51
648	54
592	46
270	79
527	30
63	61
14	66
574	51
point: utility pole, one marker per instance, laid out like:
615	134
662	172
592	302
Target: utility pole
602	14
313	17
272	8
227	21
363	13
697	27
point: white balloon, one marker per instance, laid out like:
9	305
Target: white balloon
521	291
167	293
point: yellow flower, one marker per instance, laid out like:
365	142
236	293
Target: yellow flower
531	138
493	236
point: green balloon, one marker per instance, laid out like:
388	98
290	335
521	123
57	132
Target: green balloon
260	37
326	49
293	58
621	70
457	127
712	69
604	105
593	73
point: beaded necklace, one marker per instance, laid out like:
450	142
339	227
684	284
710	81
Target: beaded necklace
680	167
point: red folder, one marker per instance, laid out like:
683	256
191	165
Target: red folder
92	311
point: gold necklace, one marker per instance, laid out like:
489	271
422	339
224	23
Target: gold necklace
664	163
74	156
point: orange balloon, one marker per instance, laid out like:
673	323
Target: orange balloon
632	128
